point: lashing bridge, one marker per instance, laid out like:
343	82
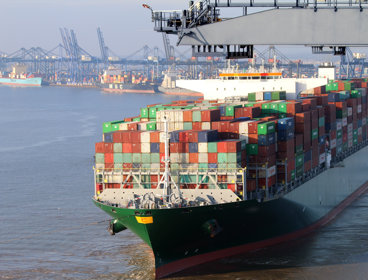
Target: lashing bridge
325	25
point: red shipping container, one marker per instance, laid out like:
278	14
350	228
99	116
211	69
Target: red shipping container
136	148
216	126
284	146
135	136
155	137
252	139
253	127
127	148
188	116
314	119
298	140
290	165
307	166
193	157
184	136
311	101
224	126
306	107
315	156
109	166
251	185
320	90
212	157
266	151
234	127
340	105
263	182
127	165
210	115
321	130
222	147
226	118
133	126
293	107
102	147
197	126
162	147
233	146
330	113
192	136
109	158
303	117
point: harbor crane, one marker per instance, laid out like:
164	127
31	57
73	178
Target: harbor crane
326	26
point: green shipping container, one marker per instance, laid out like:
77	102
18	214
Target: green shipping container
100	158
127	158
278	95
196	116
118	158
314	133
252	96
118	147
299	149
266	128
321	122
155	158
106	127
136	119
146	158
266	108
293	174
203	166
274	109
136	158
222	158
230	110
355	94
231	158
339	133
282	107
188	126
299	171
299	159
151	126
252	149
332	86
212	147
152	112
144	113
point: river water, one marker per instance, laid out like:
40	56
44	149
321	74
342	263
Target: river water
50	229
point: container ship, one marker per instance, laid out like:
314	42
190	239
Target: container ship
117	81
200	180
15	78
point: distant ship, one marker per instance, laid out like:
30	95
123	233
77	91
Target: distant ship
20	77
117	81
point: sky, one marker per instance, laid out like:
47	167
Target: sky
125	24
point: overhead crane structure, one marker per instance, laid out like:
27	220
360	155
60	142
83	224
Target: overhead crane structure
324	25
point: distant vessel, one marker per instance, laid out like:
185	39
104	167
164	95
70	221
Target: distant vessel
117	81
233	81
19	77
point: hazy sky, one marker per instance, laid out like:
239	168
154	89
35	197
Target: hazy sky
126	25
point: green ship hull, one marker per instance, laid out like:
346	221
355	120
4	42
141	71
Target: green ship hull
184	237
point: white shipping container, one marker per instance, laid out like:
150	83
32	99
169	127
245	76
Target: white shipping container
142	126
344	122
333	143
350	127
206	125
145	148
123	126
360	131
359	108
350	111
259	95
145	137
202	147
100	165
322	158
338	125
350	143
364	121
203	157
